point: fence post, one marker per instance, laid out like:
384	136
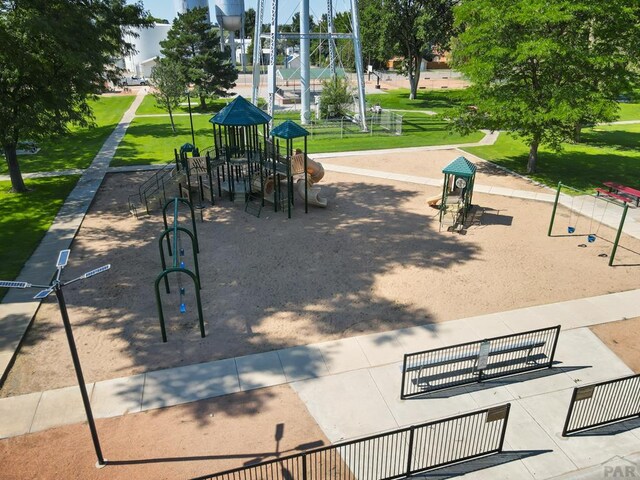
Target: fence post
504	428
555	344
304	466
571	405
410	453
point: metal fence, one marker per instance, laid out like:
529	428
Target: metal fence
447	367
390	455
603	403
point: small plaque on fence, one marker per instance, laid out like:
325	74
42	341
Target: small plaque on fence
584	393
497	413
483	355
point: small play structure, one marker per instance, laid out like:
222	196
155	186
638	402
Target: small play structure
299	165
457	193
175	249
593	207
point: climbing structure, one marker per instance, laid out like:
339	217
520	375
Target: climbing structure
457	193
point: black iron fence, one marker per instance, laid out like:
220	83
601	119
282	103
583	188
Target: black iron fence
603	403
389	455
447	367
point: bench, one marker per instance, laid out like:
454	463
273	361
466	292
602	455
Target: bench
527	346
610	194
628	191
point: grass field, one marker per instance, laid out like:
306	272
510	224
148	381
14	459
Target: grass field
606	153
149	140
149	106
25	218
78	148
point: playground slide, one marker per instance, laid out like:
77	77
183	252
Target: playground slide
434	201
314	194
315	173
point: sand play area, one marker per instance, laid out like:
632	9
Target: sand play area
372	261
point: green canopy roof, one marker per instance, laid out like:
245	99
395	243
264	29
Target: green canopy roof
240	113
460	167
289	129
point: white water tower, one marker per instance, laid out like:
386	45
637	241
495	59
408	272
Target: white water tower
182	6
230	17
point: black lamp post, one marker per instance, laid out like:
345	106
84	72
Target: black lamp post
193	138
56	287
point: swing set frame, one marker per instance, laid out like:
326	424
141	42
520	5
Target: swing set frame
625	207
174	251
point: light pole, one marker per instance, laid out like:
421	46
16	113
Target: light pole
193	138
56	287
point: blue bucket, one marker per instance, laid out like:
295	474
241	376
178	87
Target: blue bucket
591	238
571	229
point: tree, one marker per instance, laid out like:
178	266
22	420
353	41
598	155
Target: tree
54	56
336	97
374	48
194	45
414	28
170	84
542	69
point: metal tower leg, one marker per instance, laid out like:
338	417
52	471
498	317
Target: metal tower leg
305	67
257	52
273	39
332	42
359	70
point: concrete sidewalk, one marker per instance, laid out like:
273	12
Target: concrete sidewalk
18	307
346	369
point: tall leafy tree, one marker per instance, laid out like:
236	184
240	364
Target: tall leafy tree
414	29
170	85
541	69
374	45
54	56
195	46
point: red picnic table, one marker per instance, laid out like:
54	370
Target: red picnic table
620	192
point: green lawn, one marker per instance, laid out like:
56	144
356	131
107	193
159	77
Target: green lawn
149	140
78	148
25	218
606	153
149	107
629	111
435	100
418	129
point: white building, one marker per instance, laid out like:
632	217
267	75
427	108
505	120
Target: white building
147	47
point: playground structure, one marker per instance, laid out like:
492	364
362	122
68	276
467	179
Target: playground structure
176	250
457	194
249	165
299	164
575	214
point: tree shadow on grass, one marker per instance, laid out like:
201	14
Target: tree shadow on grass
618	139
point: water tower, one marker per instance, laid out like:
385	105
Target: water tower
230	17
182	6
304	36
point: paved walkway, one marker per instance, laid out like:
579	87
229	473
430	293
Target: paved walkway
18	307
362	374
